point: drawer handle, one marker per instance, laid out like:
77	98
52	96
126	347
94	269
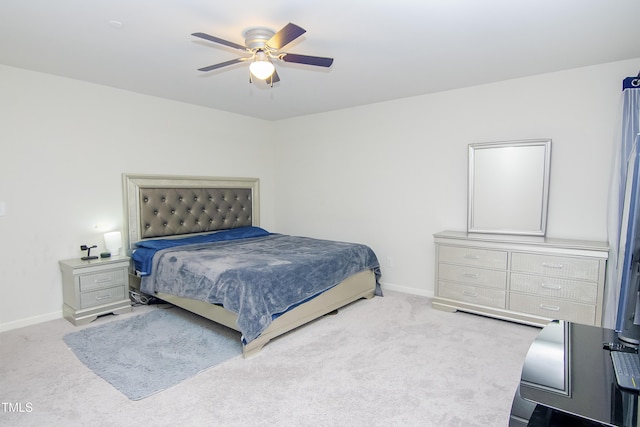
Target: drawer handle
469	256
470	294
549	307
103	297
552	265
470	275
552	287
103	280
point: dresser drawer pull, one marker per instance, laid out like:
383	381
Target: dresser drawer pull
469	256
471	275
107	296
552	287
549	307
552	265
103	280
470	294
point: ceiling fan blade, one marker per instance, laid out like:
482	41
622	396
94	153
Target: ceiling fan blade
222	64
219	40
286	35
309	60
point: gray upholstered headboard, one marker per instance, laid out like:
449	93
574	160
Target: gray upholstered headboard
164	206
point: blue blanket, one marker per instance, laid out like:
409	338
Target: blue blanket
257	278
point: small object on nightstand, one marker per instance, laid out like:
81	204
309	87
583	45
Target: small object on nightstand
88	249
113	242
105	255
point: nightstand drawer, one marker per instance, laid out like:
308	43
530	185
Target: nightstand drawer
556	266
474	257
103	279
553	309
102	296
473	276
473	294
584	292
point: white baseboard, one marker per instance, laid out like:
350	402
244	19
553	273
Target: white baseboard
30	321
405	290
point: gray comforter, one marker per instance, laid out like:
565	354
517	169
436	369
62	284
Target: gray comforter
257	278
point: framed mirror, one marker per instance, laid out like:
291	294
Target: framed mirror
509	187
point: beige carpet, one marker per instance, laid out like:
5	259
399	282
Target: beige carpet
391	361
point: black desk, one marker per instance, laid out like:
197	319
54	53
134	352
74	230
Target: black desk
569	378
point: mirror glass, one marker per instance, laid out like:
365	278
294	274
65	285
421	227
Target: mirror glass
509	187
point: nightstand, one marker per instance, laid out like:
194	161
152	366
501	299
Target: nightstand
95	287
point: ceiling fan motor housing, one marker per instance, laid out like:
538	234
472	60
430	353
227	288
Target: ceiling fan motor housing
256	38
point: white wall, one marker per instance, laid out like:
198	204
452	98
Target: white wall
65	145
392	174
388	175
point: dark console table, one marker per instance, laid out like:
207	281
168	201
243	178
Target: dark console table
568	380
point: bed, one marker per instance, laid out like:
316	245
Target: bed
197	244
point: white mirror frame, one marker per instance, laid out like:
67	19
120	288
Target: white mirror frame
508	188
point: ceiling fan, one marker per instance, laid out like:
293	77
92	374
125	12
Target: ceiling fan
264	45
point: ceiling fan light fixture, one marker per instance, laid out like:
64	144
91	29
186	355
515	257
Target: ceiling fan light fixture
261	67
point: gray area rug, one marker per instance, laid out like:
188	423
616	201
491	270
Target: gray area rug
145	354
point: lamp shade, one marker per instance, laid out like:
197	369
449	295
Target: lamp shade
113	242
261	68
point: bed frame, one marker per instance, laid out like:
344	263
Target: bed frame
178	206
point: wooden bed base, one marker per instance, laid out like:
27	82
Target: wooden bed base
360	285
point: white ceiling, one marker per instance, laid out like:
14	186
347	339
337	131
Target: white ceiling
383	49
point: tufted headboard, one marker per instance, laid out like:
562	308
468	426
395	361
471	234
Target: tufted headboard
158	206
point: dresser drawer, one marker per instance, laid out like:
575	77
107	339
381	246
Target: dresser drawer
102	279
556	266
553	308
473	294
473	275
473	257
573	290
102	296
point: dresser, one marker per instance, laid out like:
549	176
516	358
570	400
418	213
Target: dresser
527	279
92	288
